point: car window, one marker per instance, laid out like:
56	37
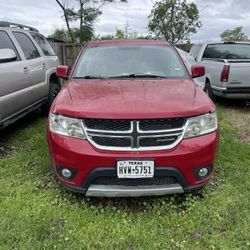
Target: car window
110	61
227	51
6	43
43	44
193	49
29	49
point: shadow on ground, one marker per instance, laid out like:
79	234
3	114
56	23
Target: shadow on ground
6	147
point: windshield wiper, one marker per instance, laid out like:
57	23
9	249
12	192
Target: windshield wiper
138	75
134	75
88	77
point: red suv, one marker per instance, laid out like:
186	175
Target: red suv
132	122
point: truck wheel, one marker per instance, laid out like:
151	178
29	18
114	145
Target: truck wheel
54	89
209	92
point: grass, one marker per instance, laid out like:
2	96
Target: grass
35	213
238	117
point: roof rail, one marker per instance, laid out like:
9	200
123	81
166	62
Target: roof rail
16	25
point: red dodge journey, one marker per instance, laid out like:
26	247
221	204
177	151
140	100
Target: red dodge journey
132	122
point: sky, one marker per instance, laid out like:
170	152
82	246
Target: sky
215	15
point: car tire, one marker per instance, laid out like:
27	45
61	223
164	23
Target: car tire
209	92
54	89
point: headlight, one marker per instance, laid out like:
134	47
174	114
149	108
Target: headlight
66	126
201	125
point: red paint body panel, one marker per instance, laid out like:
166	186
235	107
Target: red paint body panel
127	42
131	99
190	153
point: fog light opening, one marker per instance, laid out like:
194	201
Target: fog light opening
66	173
203	172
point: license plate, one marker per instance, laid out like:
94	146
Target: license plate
135	169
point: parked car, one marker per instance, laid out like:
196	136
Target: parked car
27	72
227	68
132	122
189	61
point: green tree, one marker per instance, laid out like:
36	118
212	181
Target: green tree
68	13
86	13
233	35
126	33
174	20
60	34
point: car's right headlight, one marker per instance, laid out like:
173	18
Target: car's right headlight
66	126
201	125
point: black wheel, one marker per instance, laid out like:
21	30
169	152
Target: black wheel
209	92
54	89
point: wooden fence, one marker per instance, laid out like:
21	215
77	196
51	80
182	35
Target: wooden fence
66	52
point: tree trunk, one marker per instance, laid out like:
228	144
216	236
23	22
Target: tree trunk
171	22
66	20
81	22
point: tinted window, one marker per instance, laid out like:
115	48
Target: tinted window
27	46
6	43
227	51
43	44
109	61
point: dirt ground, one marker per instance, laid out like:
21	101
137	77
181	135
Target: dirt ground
238	116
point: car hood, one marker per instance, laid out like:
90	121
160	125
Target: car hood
132	99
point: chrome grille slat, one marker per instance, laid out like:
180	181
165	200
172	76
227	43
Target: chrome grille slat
118	140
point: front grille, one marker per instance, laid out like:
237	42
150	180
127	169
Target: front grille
161	124
107	124
134	135
111	141
157	180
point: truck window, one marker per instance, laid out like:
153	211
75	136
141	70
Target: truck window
43	44
6	43
227	51
29	49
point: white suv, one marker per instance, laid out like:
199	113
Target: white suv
27	72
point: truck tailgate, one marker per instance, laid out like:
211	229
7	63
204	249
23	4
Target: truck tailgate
239	75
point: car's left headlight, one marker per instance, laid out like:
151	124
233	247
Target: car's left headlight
201	125
66	126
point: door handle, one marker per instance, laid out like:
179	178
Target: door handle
26	70
43	66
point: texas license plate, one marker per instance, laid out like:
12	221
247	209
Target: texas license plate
135	169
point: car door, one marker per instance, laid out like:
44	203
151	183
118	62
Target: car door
50	56
14	79
35	65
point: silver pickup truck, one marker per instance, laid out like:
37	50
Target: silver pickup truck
27	72
227	68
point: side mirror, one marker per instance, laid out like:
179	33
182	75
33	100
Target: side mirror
197	71
62	71
7	55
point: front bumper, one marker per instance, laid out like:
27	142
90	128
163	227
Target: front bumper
90	163
110	190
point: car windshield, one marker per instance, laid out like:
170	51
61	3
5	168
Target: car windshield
126	61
